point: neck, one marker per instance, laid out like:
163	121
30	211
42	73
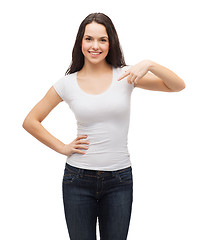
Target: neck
95	68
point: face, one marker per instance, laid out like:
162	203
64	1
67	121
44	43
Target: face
95	43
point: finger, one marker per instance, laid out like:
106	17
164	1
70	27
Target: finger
78	151
136	80
81	146
83	141
133	79
130	78
123	75
81	136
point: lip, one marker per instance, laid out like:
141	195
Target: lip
94	52
96	55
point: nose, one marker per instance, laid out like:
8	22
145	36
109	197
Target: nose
95	45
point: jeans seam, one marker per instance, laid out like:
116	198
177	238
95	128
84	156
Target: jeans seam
89	175
71	170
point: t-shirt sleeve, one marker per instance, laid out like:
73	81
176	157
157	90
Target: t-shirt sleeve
59	87
126	68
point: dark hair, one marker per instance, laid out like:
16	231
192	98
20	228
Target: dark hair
115	55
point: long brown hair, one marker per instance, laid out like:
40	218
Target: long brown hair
115	55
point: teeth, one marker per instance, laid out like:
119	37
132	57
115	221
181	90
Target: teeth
94	53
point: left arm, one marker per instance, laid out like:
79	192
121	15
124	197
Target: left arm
162	78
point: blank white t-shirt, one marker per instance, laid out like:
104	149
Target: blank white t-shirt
104	118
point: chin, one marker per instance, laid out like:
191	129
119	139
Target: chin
95	61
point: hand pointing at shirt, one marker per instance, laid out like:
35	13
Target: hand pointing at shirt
136	72
160	78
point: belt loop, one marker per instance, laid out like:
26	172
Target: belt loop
80	172
113	173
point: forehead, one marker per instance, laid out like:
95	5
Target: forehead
95	29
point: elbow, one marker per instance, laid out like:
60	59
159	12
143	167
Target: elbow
30	124
180	88
26	124
183	86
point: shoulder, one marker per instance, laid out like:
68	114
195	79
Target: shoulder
121	70
64	85
65	79
68	77
124	83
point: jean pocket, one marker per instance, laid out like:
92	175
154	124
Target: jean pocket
68	176
125	176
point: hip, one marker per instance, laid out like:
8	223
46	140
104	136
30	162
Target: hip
105	178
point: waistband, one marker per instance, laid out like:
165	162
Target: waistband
81	171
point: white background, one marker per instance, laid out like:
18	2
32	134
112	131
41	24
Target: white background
165	134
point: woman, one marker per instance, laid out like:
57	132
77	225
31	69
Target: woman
97	179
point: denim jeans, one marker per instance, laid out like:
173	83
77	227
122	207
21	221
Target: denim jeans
92	194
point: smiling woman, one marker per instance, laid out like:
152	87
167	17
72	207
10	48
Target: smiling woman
95	44
98	181
96	29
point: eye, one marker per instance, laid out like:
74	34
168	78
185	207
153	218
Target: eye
87	38
103	40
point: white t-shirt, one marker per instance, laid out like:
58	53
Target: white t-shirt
104	118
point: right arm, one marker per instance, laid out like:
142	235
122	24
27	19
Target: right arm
32	124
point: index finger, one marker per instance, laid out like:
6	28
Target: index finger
81	136
123	75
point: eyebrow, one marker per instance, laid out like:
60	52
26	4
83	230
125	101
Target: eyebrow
100	37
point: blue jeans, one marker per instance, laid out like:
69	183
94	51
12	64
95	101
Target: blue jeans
88	194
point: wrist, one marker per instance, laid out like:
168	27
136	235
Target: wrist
61	148
151	64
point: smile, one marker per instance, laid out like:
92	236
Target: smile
95	53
